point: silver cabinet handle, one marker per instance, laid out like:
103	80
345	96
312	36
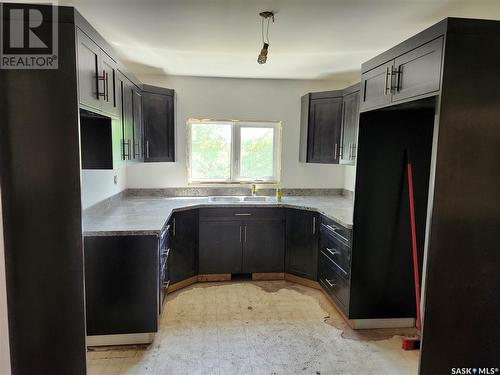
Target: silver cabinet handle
388	74
242	214
332	251
245	233
353	155
129	147
173	229
314	225
330	283
147	149
335	150
240	233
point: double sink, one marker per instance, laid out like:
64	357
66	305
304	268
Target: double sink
241	199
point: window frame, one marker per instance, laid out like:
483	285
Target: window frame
235	153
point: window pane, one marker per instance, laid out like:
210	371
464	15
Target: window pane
210	151
257	152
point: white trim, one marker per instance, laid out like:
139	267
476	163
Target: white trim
235	151
123	339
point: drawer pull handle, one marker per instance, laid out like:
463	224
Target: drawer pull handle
242	214
333	251
330	283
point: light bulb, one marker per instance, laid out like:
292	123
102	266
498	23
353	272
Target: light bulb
263	54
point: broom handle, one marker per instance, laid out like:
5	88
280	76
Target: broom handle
414	242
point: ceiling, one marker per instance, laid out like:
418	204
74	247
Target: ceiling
310	39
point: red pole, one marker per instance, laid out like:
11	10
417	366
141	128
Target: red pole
414	243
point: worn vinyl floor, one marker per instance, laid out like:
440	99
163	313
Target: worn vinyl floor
264	327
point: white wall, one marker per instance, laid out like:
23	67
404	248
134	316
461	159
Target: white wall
246	99
4	328
349	177
98	185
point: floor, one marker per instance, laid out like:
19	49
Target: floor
262	327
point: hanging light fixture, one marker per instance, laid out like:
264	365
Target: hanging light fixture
266	17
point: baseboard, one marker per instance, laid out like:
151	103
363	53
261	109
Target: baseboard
182	284
124	339
257	276
302	281
215	277
381	323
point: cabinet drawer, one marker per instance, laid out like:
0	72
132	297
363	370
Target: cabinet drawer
336	230
333	282
241	213
336	251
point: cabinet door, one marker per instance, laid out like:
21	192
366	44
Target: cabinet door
263	246
88	72
158	126
302	243
109	99
325	121
128	120
182	260
376	87
350	123
418	72
220	247
138	153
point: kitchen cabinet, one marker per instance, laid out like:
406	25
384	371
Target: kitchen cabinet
350	124
301	257
158	115
263	246
220	247
183	255
335	262
96	77
414	73
137	149
121	284
321	121
241	240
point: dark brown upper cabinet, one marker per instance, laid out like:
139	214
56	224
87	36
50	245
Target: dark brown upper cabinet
158	117
350	125
321	122
97	73
412	75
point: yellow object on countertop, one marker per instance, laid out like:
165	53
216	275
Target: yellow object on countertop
278	194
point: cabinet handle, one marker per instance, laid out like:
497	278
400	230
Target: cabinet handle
107	87
245	233
173	228
147	149
332	251
335	150
353	155
240	233
243	214
128	151
314	225
330	283
103	79
398	73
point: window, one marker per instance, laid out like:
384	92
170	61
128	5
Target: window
233	151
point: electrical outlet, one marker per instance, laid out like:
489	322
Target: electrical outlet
115	179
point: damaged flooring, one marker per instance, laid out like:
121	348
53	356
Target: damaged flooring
257	327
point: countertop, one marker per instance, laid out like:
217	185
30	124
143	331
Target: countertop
148	215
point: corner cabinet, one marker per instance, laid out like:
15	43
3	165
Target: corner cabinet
159	124
350	125
321	121
183	255
412	75
302	229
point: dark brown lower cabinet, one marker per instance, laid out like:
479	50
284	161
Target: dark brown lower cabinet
121	284
301	257
183	254
231	245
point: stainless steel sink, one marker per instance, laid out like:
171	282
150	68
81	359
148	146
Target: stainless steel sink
224	199
258	199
